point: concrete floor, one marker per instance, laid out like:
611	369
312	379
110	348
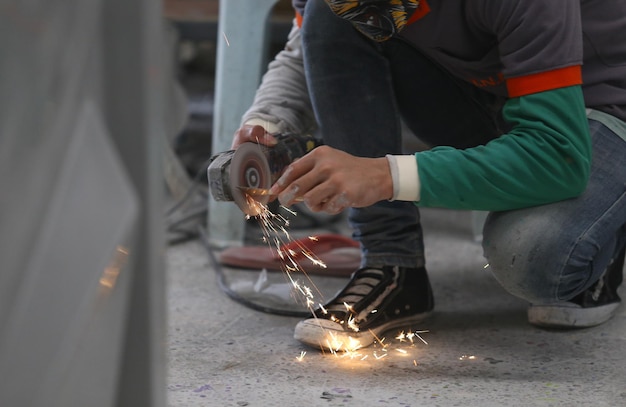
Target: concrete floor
481	351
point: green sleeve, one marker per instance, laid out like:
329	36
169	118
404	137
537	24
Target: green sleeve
544	158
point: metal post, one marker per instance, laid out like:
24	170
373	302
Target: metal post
242	38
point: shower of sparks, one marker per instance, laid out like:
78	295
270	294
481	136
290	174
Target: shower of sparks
291	252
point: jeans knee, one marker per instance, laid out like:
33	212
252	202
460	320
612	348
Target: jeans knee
540	263
515	274
523	258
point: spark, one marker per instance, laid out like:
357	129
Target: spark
347	345
353	325
313	259
226	39
294	263
486	265
349	354
289	210
403	351
402	337
301	356
380	341
354	344
467	357
282	228
417	333
378	357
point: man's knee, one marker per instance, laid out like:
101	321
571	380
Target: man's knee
524	257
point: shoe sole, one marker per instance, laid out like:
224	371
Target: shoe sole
563	316
327	335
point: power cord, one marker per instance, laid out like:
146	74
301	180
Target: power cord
235	296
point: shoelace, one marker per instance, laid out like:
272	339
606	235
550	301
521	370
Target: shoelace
359	288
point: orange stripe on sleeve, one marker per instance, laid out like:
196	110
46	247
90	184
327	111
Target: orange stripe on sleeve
542	81
299	19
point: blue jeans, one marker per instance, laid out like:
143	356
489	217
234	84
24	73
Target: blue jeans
361	90
553	252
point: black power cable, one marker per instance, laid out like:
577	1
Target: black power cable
221	279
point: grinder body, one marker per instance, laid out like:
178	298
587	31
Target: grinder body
254	166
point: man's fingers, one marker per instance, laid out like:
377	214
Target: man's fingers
292	173
254	134
296	182
258	134
282	182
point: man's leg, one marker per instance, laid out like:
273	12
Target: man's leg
552	254
352	94
351	91
359	90
358	96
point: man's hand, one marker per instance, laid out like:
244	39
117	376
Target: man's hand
331	180
255	134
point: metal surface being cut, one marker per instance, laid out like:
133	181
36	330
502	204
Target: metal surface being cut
249	168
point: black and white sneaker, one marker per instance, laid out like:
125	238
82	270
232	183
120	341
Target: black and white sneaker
374	301
592	307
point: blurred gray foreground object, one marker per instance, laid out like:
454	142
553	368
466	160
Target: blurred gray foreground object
82	102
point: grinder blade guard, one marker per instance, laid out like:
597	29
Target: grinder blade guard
254	165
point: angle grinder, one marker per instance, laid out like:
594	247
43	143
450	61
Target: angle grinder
244	175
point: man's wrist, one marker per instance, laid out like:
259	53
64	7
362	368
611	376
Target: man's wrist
405	177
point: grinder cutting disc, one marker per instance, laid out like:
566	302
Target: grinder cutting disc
249	168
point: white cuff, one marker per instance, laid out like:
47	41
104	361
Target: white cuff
269	127
405	176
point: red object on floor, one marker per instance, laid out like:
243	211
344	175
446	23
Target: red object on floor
340	254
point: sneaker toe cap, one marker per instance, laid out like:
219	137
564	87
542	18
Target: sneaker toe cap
320	333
